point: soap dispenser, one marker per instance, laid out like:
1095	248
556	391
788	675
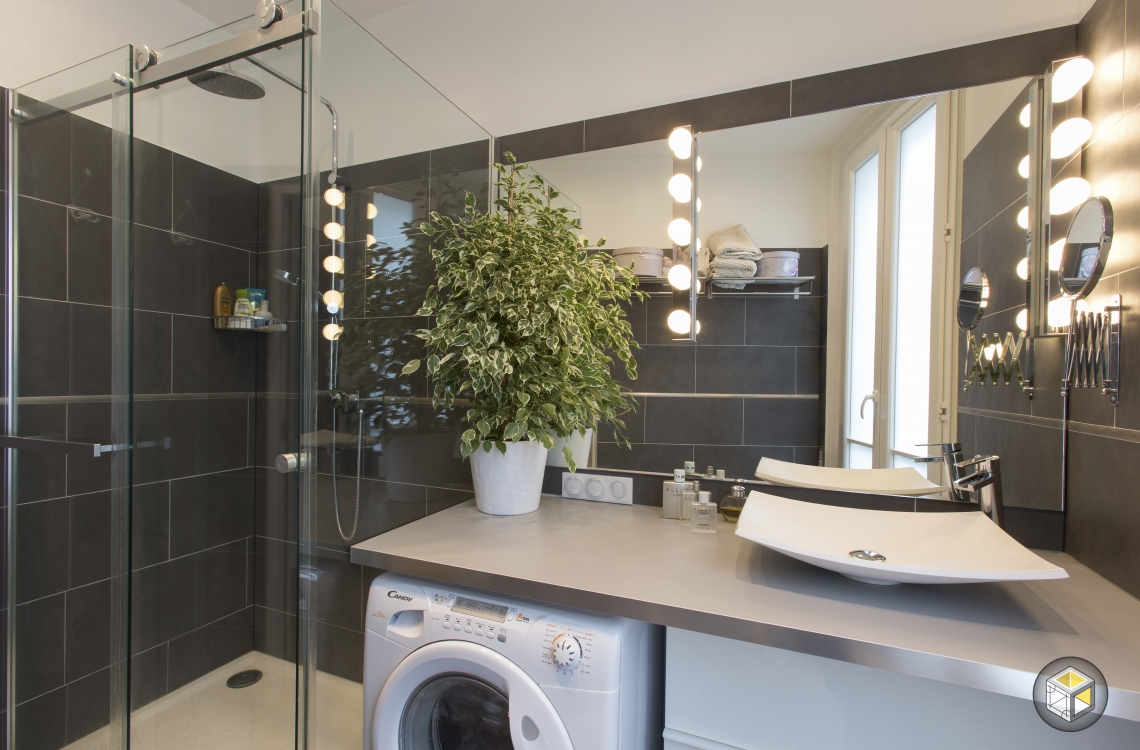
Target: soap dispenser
702	517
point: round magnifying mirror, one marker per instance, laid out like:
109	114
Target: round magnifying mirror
972	298
1086	248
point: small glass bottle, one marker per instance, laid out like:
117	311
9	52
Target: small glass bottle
703	515
732	503
691	495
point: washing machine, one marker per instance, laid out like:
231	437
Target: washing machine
447	668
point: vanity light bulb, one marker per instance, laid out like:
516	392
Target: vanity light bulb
698	169
681	141
1023	118
332	331
680	277
1023	218
1022	319
679	321
333	298
680	231
1055	251
681	188
1069	136
1060	311
334	196
1068	194
333	264
698	207
1070	77
1023	168
1084	306
370	211
1023	268
334	231
369	240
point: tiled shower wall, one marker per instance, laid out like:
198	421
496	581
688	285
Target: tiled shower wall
749	388
193	504
411	466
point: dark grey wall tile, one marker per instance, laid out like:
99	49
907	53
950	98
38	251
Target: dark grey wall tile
747	107
738	461
152	185
710	421
89	421
210	510
89	258
223	434
41	548
220	264
213	205
150	524
166	273
1100	37
1128	284
152	334
783	321
91	167
90	538
206	360
809	369
208	648
1001	244
42	236
745	369
275	574
156	420
383	506
989	172
40	474
162	605
1031	461
781	421
40	628
275	633
408	168
44	156
148	676
638	126
634	430
92	350
275	512
643	456
279	213
1102	516
88	629
809	455
338	591
961	67
374	351
340	652
41	724
88	705
544	143
660	369
220	582
1036	529
722	321
441	499
45	357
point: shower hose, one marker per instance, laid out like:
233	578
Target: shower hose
336	494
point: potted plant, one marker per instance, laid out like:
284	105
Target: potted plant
526	319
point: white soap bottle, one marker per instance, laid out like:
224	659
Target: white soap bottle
672	493
702	515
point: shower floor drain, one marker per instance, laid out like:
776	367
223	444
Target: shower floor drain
244	679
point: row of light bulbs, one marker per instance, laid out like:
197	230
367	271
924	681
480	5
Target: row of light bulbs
680	230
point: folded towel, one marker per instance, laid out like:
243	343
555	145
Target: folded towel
735	237
732	268
740	253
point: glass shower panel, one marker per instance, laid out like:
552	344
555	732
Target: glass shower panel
67	385
384	456
217	170
862	314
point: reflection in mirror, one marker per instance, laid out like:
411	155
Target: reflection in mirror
972	298
1086	248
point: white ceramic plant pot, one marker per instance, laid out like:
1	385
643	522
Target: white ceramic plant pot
509	484
579	448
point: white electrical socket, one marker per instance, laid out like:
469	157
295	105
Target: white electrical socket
598	487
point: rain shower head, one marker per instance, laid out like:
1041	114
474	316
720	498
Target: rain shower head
227	82
288	278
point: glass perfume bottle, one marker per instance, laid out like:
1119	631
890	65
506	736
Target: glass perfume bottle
732	503
688	499
673	494
703	515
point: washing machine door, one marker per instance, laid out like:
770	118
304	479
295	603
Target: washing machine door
455	695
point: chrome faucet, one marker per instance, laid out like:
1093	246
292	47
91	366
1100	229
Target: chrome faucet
976	479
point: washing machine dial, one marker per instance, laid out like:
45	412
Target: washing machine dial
566	652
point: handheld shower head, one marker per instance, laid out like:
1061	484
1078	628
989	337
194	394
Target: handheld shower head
288	278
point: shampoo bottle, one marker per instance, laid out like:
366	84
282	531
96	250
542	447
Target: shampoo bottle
223	305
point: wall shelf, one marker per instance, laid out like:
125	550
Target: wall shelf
246	324
764	282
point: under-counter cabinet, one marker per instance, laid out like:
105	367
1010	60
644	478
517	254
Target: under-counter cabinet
723	694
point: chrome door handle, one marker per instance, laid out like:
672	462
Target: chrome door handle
290	462
873	397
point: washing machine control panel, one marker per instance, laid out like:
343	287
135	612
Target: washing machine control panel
568	650
476	618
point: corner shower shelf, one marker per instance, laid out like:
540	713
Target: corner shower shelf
709	290
245	324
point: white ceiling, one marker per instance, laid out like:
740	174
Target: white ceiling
515	65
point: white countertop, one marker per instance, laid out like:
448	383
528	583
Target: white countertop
628	561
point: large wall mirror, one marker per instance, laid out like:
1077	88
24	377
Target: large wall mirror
859	359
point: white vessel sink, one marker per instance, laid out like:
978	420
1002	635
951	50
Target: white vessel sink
905	481
963	547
